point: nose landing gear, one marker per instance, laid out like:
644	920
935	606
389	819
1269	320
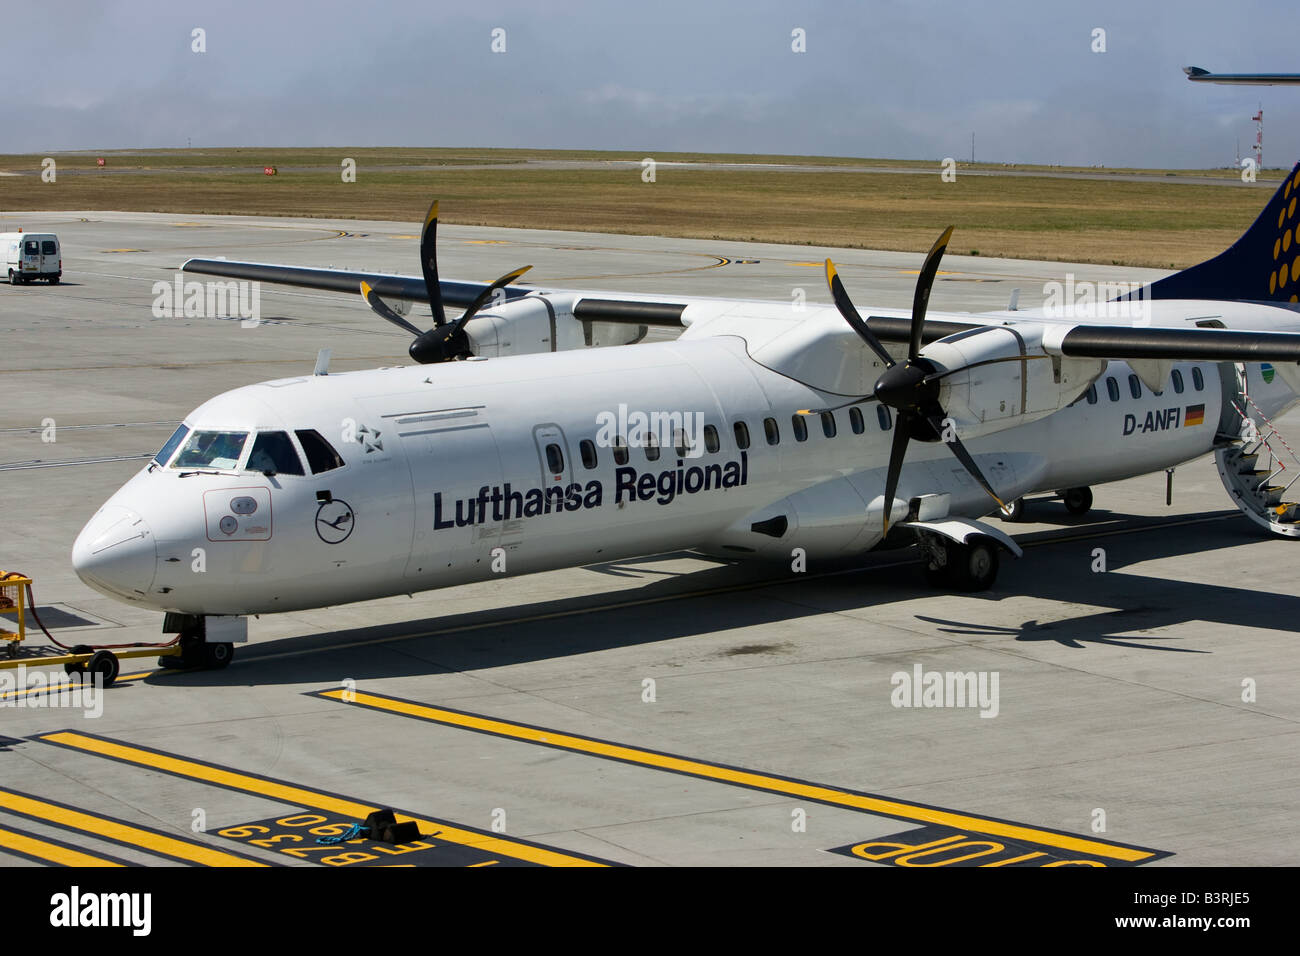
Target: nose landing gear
198	651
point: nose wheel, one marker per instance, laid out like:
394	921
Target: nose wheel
199	654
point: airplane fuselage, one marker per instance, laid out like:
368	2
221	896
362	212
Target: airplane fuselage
464	471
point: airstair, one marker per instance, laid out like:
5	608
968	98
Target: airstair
1259	469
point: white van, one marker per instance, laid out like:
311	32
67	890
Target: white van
32	255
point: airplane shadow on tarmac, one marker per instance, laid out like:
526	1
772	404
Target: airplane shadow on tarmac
1112	605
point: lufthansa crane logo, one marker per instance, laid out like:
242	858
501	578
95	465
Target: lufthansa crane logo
334	521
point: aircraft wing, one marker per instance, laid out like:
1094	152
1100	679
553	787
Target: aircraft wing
1198	75
589	308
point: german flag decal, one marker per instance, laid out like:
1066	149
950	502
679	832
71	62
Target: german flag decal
1195	416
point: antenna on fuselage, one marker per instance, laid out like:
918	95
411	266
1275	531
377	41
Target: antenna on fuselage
323	362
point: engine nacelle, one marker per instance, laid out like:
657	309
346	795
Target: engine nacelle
1005	378
542	323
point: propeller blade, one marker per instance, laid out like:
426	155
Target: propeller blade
902	432
442	344
963	456
851	316
921	298
484	296
429	265
384	311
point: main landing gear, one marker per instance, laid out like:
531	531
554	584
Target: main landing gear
1078	501
972	566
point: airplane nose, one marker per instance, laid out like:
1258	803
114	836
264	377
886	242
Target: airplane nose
115	553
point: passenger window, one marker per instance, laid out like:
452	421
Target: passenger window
321	456
30	247
1177	377
273	453
48	248
828	424
1198	382
772	431
1092	394
882	413
620	451
742	435
1112	388
855	420
1135	386
587	448
711	443
800	428
651	448
554	459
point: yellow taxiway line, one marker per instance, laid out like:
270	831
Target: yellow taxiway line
50	851
117	831
852	800
297	796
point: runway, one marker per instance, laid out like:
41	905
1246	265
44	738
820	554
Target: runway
668	711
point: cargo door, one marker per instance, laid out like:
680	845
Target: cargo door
455	472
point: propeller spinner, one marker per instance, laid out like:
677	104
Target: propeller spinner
444	342
911	387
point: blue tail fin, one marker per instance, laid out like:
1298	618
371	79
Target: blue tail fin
1262	266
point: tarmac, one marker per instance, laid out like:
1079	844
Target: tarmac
671	710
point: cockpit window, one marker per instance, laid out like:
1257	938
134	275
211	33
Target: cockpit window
173	443
211	450
273	452
320	455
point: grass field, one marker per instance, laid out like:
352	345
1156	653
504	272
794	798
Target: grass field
1148	223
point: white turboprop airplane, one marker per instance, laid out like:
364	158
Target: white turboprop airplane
761	430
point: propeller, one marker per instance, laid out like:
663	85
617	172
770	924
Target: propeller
444	342
911	388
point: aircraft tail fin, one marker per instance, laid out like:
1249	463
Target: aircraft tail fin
1262	266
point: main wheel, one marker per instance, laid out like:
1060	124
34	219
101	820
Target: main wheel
54	280
974	566
13	277
1014	510
217	656
1078	501
105	665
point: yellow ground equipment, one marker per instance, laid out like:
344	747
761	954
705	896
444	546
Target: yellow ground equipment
13	596
103	660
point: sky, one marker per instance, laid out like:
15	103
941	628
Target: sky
876	79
